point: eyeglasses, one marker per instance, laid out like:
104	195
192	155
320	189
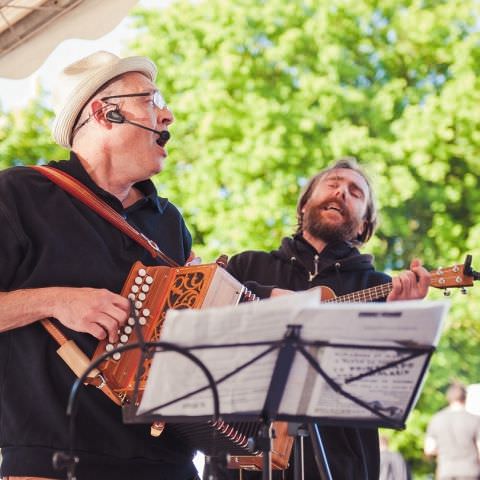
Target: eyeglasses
157	98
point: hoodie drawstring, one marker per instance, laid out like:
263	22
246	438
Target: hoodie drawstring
337	272
311	275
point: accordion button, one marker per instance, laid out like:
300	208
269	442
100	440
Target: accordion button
116	356
138	304
142	272
124	338
128	330
131	321
131	296
146	312
134	288
142	321
145	288
149	280
138	280
142	296
109	347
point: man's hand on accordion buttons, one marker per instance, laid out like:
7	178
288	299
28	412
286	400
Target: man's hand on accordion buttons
98	312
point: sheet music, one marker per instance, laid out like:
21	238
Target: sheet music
266	320
381	324
388	391
408	323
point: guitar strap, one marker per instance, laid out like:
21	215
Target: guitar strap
68	350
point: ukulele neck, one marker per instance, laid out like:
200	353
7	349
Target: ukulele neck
368	295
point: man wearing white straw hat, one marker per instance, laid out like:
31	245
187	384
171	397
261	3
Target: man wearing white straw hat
60	259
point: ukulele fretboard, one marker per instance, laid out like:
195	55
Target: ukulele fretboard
367	295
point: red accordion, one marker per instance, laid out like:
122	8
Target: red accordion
153	291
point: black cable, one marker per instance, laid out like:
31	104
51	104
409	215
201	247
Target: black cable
69	460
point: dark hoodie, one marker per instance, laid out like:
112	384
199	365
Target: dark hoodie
353	453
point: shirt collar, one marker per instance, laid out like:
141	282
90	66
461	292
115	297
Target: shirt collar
151	197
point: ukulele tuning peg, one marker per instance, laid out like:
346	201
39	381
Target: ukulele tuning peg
446	293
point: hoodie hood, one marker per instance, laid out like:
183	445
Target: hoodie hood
337	257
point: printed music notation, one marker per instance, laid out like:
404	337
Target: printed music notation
364	349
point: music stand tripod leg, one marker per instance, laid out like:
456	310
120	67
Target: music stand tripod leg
319	452
298	452
281	370
264	444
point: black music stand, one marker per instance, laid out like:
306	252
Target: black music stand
373	413
263	441
288	347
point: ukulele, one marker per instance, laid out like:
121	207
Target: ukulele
456	276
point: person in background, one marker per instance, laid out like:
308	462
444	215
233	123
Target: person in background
336	214
453	437
392	464
60	260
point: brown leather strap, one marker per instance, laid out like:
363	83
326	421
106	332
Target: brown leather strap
54	331
96	380
82	193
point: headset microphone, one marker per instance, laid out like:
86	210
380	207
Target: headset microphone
115	116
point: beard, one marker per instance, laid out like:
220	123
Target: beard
318	227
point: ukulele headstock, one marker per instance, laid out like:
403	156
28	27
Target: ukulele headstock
456	276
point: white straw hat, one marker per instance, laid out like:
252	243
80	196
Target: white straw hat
77	83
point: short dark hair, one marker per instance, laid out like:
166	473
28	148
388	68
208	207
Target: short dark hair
456	392
371	213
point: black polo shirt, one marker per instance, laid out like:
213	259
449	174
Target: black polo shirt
49	238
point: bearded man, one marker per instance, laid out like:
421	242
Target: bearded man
336	214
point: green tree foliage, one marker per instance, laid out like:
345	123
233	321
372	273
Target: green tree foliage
25	135
267	92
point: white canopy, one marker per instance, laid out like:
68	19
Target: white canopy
31	29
